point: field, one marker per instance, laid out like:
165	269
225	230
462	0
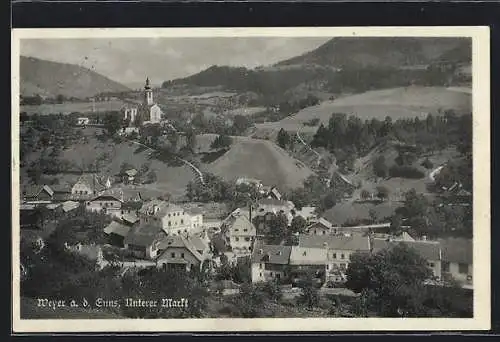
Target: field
254	158
245	111
70	107
397	103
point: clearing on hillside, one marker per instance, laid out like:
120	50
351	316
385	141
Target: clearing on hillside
254	158
406	102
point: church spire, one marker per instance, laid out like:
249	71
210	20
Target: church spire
147	86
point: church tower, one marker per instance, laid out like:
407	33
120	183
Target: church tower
148	93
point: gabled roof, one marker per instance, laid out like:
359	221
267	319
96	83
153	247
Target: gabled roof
117	228
131	172
429	250
35	190
308	256
272	254
179	241
106	197
70	205
337	242
91	179
322	222
130	218
458	250
238	225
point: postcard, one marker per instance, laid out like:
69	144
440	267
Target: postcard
251	179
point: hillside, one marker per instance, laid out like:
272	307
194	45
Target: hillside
405	102
254	158
50	79
343	52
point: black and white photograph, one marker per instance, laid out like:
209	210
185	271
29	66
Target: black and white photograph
246	179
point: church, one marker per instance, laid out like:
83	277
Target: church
147	112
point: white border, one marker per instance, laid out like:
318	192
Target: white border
481	179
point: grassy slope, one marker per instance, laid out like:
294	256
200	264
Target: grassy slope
65	108
255	158
396	103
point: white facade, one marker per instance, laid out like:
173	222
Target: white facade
130	113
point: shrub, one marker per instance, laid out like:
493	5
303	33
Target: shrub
406	172
427	164
379	167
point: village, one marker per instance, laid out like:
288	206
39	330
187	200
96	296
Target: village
143	232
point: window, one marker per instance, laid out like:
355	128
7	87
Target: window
446	266
271	274
179	232
172	254
278	275
324	232
168	215
182	255
169	223
122	212
182	221
463	268
260	274
247	239
430	264
261	266
245	230
236	239
327	266
304	254
185	230
343	266
342	256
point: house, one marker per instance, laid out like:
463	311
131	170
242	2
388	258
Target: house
457	257
185	253
428	250
250	182
107	203
87	186
275	194
308	259
339	249
82	121
195	218
38	193
320	227
117	231
269	262
171	218
240	233
268	206
308	213
143	240
70	206
129	175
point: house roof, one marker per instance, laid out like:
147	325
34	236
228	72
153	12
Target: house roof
458	250
272	254
429	250
130	218
91	179
131	172
275	202
106	197
70	205
338	242
179	241
322	222
53	206
308	256
117	228
35	190
238	225
306	212
163	208
143	235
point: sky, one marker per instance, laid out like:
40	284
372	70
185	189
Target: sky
130	60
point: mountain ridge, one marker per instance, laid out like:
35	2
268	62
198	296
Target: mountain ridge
50	78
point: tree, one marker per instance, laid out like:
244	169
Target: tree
382	192
283	138
309	295
221	142
151	177
380	168
298	224
191	140
112	123
427	164
279	228
391	280
240	124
